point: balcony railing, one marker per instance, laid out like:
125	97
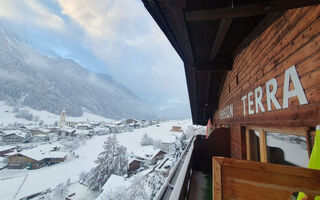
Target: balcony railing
232	178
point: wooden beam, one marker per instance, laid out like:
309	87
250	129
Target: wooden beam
249	10
221	34
263	145
207	107
248	144
208	88
220	13
258	30
212	66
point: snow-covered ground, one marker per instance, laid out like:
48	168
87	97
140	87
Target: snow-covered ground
21	183
7	116
294	153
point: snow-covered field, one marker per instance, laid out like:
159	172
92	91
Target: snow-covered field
7	116
20	183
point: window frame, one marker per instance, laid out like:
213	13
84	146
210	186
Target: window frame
298	131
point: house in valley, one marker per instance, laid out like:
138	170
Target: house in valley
134	164
35	158
15	137
176	128
34	132
84	126
149	155
6	149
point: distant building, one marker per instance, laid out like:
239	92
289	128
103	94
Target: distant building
38	132
65	133
176	128
103	124
78	191
149	155
14	137
6	149
36	158
62	120
131	121
40	137
82	134
114	129
84	126
113	183
134	164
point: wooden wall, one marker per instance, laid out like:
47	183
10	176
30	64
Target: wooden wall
239	179
217	144
294	39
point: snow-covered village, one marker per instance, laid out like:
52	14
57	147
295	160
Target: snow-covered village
90	159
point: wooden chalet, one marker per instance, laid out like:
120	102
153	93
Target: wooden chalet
253	68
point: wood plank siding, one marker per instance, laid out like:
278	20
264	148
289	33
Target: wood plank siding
292	40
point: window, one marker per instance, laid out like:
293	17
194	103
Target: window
268	145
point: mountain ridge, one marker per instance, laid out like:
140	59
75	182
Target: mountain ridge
55	84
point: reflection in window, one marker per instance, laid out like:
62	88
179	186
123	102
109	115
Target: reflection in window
287	149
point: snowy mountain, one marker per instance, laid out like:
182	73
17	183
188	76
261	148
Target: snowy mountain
55	84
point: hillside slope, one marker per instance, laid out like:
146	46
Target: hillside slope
55	84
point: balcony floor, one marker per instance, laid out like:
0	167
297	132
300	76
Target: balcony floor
200	186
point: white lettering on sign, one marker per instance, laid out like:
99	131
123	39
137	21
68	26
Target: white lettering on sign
271	91
258	98
297	91
226	112
271	95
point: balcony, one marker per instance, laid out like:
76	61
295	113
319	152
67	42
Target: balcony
206	171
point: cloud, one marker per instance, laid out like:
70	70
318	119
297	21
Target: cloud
123	35
100	18
30	12
118	37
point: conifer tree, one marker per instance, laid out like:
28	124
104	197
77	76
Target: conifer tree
112	160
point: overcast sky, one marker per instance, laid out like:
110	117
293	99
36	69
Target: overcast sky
116	37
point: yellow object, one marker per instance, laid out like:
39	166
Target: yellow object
314	162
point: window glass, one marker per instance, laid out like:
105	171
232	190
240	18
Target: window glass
287	149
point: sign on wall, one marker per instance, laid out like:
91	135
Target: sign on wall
252	102
226	112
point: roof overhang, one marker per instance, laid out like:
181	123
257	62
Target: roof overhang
208	35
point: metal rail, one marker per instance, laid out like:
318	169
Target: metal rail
173	186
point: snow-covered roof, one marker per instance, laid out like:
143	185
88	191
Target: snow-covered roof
79	191
17	132
147	152
45	130
100	129
40	135
114	181
130	159
170	139
112	184
81	132
67	129
84	124
41	152
6	147
164	163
